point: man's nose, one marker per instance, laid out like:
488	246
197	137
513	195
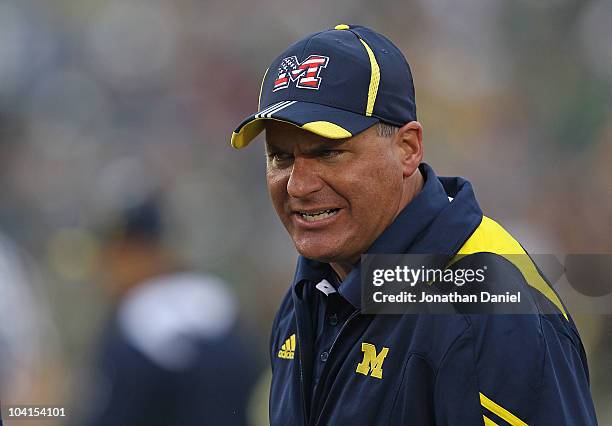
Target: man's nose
304	178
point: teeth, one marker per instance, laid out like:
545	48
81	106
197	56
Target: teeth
313	217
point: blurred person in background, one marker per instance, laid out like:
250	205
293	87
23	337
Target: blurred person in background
29	371
172	352
25	329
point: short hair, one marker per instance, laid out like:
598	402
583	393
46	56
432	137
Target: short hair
386	130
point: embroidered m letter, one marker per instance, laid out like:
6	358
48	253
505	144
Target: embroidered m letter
372	362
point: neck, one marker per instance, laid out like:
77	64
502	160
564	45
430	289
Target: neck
342	269
414	185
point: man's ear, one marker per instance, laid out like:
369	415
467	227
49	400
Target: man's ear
409	140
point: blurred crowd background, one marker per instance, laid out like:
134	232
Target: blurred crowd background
103	103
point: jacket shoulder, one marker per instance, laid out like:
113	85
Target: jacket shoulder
510	265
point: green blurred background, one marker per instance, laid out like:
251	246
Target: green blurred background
102	99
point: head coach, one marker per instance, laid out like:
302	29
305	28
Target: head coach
345	175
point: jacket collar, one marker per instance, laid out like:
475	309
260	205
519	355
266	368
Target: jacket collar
429	224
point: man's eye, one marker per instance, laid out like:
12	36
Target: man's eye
279	157
330	153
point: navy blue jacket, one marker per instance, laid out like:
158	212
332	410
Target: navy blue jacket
333	365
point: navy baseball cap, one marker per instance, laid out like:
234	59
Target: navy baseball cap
335	83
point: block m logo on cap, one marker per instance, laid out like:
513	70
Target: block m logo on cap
305	74
372	362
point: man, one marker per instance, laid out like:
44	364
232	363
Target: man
345	175
172	352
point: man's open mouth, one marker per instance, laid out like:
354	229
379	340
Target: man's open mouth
320	215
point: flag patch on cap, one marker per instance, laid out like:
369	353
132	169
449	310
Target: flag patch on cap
304	74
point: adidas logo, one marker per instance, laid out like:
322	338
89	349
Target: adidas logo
287	351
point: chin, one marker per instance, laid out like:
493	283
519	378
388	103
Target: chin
318	252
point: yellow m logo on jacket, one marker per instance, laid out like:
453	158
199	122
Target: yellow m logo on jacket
372	362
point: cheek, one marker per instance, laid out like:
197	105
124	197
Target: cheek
277	189
375	198
378	188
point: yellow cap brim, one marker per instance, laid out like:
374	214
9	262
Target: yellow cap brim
322	120
250	131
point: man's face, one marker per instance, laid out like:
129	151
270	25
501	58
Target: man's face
334	197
